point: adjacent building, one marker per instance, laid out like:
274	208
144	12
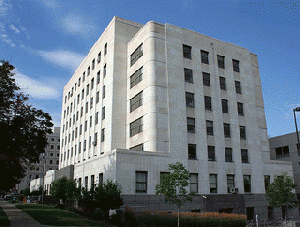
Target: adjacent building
48	161
149	95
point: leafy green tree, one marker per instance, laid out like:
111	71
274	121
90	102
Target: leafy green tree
173	185
26	191
63	189
22	129
108	196
280	193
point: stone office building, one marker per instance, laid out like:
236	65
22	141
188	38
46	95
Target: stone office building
149	95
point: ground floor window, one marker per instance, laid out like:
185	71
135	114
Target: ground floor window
141	181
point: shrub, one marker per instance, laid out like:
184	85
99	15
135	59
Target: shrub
98	215
129	217
115	219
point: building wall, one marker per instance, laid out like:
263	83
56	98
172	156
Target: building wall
51	161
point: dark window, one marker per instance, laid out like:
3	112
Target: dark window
189	98
221	62
211	153
191	125
192	151
104	70
102	135
100	178
103	92
86	182
99	57
222	83
82	94
243	132
187	51
227	130
247	183
188	75
141	181
224	106
96	117
213	183
97	96
236	65
270	213
206	79
91	103
207	103
136	101
87	89
267	180
194	182
92	83
230	182
240	109
81	111
87	107
282	152
103	112
85	126
83	77
136	126
228	154
98	77
204	57
91	121
139	147
93	64
210	128
244	154
88	70
105	49
138	52
136	77
92	181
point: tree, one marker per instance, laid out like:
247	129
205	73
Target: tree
63	189
108	196
279	193
173	185
22	129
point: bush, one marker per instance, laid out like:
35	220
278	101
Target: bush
129	217
60	206
98	215
115	219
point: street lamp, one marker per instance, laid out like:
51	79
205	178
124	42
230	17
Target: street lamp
297	133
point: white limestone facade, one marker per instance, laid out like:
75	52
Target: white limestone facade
149	95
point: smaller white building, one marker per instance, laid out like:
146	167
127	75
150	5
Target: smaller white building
35	184
48	179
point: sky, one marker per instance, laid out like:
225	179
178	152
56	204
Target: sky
47	39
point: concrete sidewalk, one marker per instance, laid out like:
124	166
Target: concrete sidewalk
17	217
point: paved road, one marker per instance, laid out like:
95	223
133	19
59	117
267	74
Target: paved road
17	217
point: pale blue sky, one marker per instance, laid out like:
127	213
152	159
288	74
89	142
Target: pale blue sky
47	39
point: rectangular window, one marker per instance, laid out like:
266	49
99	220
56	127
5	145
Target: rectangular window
86	182
244	155
138	52
194	182
188	75
228	154
97	97
238	88
92	181
191	125
103	92
136	126
240	109
81	111
192	151
93	64
213	183
82	94
85	126
89	71
136	77
99	57
87	90
83	77
105	49
211	153
227	130
136	101
79	80
141	181
210	128
221	62
243	132
91	102
96	117
98	77
139	147
207	103
187	51
224	106
84	145
80	129
103	112
206	79
247	183
104	71
222	83
100	178
92	83
204	57
189	98
236	65
230	182
79	148
267	180
91	121
102	135
282	152
78	98
86	107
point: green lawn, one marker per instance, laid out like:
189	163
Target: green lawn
4	221
47	215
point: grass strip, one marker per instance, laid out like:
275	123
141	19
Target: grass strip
4	221
47	215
